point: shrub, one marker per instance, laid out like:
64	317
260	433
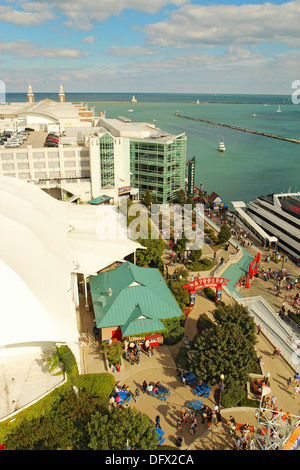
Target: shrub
174	336
204	322
233	396
182	358
210	293
113	352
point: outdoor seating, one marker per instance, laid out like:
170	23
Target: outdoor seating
189	378
122	396
160	433
195	404
162	390
203	390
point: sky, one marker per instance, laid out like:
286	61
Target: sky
154	46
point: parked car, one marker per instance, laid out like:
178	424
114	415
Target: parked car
11	145
29	129
51	144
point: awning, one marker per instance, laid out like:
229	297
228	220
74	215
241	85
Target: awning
100	200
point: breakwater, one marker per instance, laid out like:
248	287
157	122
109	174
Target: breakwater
273	136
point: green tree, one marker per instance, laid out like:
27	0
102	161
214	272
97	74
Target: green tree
181	295
237	315
112	429
224	234
153	253
181	197
225	348
147	199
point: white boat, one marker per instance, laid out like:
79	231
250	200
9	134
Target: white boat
133	100
278	110
130	110
279	216
221	147
198	101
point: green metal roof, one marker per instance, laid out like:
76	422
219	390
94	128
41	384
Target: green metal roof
138	323
138	300
100	200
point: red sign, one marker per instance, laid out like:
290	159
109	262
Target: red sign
206	282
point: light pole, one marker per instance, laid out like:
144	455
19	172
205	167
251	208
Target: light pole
221	385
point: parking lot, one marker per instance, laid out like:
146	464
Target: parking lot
36	139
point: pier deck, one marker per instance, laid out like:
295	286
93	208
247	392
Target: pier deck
273	136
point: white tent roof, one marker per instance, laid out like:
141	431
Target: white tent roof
42	241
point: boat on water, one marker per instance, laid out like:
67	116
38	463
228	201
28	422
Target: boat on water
133	100
278	109
279	216
130	110
221	147
198	101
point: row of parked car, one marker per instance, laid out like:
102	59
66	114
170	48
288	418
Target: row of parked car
14	139
52	140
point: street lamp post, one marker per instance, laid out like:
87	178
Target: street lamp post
221	385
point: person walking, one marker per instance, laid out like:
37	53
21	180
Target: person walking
136	395
296	391
157	421
288	383
209	418
179	425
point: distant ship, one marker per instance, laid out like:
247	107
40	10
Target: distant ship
134	100
221	147
278	110
198	101
130	110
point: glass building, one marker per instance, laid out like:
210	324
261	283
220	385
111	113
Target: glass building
158	165
107	160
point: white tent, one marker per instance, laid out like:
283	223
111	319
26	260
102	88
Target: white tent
42	242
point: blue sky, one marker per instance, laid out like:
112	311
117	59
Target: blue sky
156	46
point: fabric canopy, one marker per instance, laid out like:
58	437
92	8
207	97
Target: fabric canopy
43	242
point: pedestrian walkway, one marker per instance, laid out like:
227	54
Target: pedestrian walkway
162	367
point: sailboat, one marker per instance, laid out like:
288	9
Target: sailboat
278	110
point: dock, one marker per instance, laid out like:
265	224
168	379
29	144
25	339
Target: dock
273	136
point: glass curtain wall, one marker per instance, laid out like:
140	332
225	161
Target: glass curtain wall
159	167
107	160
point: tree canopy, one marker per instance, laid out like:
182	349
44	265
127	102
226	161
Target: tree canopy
226	348
111	430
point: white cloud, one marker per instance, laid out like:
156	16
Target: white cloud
219	25
24	18
29	50
132	51
81	14
88	40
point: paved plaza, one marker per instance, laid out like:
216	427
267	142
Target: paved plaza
162	367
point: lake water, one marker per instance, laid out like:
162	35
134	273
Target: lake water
252	164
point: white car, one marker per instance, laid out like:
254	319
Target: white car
12	145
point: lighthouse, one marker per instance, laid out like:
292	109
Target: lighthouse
30	95
61	95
